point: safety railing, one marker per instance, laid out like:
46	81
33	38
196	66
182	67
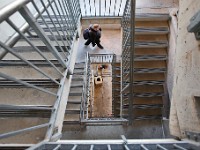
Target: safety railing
102	8
128	25
37	34
86	89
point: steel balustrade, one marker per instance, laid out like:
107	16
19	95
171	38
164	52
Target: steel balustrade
86	89
128	27
54	28
102	8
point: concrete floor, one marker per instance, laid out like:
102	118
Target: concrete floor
110	40
149	129
102	105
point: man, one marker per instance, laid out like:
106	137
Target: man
94	36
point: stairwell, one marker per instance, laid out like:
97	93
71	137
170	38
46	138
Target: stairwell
150	68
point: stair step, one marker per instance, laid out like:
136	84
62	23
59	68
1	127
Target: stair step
75	94
149	82
74	98
149	57
148	94
151	17
73	107
76	90
72	117
77	78
72	111
151	44
47	83
76	85
151	30
148	117
65	122
150	70
149	77
104	121
151	51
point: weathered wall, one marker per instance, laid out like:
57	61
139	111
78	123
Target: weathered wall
173	27
185	110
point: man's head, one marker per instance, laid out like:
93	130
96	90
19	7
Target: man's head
95	27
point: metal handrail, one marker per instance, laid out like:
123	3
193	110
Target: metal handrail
58	44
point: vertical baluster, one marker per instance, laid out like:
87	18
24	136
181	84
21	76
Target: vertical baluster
95	14
85	8
65	15
114	11
54	26
105	8
99	7
63	25
110	8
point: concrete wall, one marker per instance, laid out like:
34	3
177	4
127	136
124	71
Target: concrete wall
173	27
185	109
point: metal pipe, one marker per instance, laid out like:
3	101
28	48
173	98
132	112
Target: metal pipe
26	84
10	9
13	133
13	40
158	146
143	147
126	147
109	147
32	22
57	147
74	147
179	147
35	48
91	147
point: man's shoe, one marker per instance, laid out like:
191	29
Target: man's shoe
100	46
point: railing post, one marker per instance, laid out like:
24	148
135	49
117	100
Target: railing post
131	94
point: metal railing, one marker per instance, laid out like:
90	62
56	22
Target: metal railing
47	30
102	8
86	89
128	25
120	144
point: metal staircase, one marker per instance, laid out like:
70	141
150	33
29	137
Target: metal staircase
144	65
36	52
72	114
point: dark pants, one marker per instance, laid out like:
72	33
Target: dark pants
93	43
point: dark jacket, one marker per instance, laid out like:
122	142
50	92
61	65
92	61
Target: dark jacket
94	36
